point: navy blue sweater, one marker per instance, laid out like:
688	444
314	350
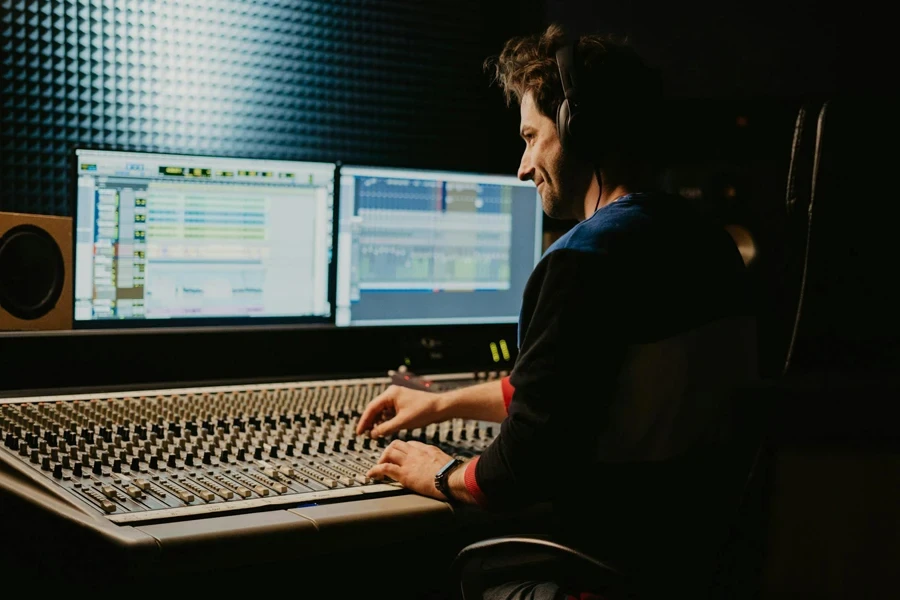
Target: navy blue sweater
632	326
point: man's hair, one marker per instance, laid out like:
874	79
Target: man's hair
613	79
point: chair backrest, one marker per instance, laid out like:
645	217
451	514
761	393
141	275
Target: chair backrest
779	282
848	310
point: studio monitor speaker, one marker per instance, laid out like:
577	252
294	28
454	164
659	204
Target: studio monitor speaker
36	288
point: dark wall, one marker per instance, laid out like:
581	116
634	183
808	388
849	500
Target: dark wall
388	83
724	49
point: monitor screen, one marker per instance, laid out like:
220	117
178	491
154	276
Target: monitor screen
166	239
429	247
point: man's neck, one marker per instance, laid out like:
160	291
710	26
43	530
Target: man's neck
606	196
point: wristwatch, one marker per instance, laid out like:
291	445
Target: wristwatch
442	478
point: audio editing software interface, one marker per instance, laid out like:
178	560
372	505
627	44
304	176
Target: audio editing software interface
430	247
163	237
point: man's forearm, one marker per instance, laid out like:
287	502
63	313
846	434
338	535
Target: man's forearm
482	402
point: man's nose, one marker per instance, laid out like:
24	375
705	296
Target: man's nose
526	170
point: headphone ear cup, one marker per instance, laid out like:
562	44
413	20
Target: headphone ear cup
562	124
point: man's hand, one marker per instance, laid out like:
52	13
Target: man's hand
399	408
413	465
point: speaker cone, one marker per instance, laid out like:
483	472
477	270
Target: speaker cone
32	272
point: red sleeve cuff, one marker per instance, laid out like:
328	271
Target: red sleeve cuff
472	483
508	390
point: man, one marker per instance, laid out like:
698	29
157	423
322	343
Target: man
632	329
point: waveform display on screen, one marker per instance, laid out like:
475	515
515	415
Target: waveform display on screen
399	264
423	234
202	217
429	195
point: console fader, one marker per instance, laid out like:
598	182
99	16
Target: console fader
148	456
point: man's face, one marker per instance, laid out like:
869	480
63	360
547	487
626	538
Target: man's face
561	181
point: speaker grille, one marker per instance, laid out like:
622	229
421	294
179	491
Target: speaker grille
32	272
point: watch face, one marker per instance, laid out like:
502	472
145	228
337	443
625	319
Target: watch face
448	466
441	481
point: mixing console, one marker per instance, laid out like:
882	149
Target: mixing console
145	456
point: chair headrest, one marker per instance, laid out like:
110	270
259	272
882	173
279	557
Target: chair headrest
799	177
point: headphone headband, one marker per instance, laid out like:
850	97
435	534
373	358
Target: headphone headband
568	112
565	61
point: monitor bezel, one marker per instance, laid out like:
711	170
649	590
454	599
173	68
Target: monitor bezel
201	323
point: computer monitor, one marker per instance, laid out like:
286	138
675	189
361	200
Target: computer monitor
422	247
167	239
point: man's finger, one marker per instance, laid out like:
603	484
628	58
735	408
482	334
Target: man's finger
373	410
387	428
385	470
393	454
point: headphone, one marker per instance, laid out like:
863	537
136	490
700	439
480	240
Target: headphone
569	112
572	124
